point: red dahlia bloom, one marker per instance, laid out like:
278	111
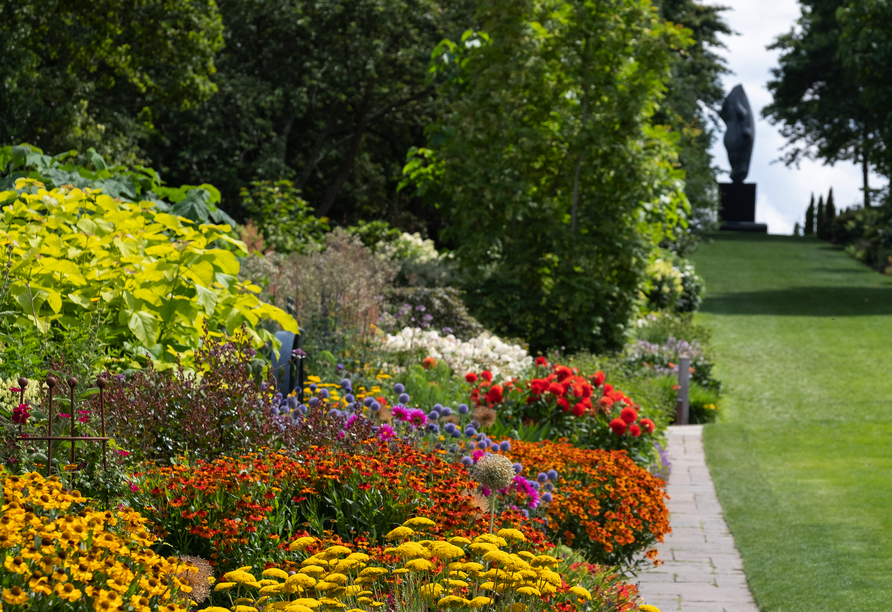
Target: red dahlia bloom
495	395
608	389
542	361
647	426
618	426
471	377
564	404
578	410
599	378
629	414
487	375
634	430
556	389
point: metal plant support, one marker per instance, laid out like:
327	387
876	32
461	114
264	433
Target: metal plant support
52	382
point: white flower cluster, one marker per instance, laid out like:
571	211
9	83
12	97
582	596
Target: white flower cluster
9	400
409	246
485	352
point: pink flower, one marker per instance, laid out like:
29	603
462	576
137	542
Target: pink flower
123	453
63	415
21	414
83	419
133	487
400	412
385	433
417	418
14	390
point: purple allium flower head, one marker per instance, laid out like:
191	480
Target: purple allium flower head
468	461
324	393
518	468
368	401
481	445
312	386
438	407
433	428
494	448
445	411
302	408
542	477
546	497
345	382
463	409
433	415
334	412
275	411
470	431
549	486
505	446
349	398
292	402
404	398
374	406
525	512
298	353
455	433
552	475
420	308
398	388
535	484
314	401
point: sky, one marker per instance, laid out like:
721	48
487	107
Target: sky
782	193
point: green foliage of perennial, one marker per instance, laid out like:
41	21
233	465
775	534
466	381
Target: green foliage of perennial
285	220
154	278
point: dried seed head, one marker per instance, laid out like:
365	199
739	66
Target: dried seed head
493	472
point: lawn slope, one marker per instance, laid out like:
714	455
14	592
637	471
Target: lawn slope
802	457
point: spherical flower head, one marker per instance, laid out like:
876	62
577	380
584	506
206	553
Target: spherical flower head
481	444
629	415
505	446
433	428
275	413
542	477
349	398
449	427
618	426
470	431
324	393
399	388
367	402
468	461
302	408
314	401
455	433
647	426
494	472
445	411
313	386
495	448
463	409
518	468
292	402
525	512
345	382
552	474
535	484
404	398
547	497
334	412
433	415
548	486
634	430
374	406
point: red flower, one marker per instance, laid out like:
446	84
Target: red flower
428	363
647	425
471	377
598	378
494	396
542	361
556	389
578	410
606	402
539	386
618	426
629	414
608	389
486	375
634	430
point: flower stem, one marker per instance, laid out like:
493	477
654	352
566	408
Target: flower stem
492	511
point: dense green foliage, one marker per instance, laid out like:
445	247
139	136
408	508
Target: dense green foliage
284	219
553	180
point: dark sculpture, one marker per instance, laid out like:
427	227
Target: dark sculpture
738	116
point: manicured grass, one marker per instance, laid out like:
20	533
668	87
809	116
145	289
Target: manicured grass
802	455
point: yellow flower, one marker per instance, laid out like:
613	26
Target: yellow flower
479	602
275	572
15	596
452	600
497	555
334	551
412	550
216	609
419	521
400	533
482	547
401	570
445	550
528	590
419	565
293	607
310	603
516	607
300	543
141	603
544	560
17	565
648	608
68	592
581	592
300	580
373	571
431	590
311	569
512	535
272	589
526	555
336	578
457	583
460	540
241	577
244	609
491	539
224	586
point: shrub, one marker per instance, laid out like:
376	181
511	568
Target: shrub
154	279
704	404
219	408
285	220
662	360
102	560
674	285
443	305
604	505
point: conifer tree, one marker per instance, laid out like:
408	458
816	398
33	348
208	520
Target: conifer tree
829	216
810	217
796	231
819	217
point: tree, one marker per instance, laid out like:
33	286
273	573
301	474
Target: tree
80	73
826	229
810	217
329	95
816	100
553	181
694	88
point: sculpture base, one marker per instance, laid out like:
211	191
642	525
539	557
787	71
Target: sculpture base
759	228
738	202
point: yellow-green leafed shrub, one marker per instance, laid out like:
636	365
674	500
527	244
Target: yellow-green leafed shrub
155	278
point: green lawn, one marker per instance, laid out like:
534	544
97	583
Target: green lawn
802	455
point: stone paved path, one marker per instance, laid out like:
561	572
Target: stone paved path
702	570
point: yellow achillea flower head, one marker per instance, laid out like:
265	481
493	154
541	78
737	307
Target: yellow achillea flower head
452	600
224	586
400	533
419	521
584	593
300	543
648	608
305	601
431	590
512	535
275	572
544	560
445	550
336	578
479	602
528	590
459	540
480	548
412	550
373	571
419	565
491	539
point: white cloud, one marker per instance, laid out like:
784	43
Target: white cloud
782	193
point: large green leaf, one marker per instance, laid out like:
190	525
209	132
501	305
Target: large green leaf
144	326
